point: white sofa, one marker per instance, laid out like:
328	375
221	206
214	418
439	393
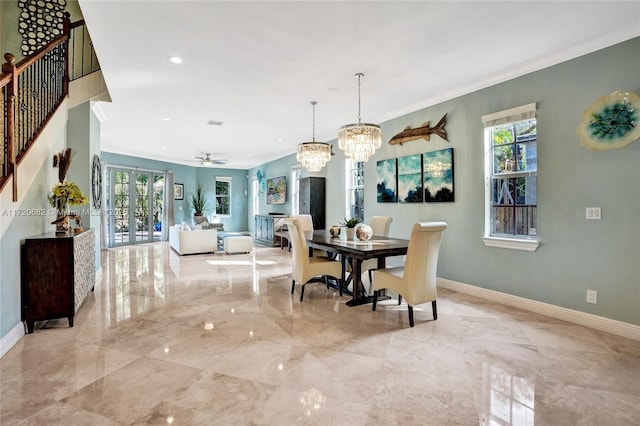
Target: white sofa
191	242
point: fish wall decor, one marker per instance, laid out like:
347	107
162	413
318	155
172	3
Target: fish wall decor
422	132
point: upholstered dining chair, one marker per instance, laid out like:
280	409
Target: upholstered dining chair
416	280
305	268
380	226
306	220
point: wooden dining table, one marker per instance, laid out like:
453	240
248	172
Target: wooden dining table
355	252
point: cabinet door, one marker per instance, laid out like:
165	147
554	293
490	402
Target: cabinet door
269	229
303	197
48	288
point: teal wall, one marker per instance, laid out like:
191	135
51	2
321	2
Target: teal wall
189	176
280	167
83	137
21	227
575	254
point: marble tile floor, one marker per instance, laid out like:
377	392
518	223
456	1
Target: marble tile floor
218	339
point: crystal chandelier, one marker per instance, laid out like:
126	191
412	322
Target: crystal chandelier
313	155
360	140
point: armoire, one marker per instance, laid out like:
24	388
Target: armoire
312	199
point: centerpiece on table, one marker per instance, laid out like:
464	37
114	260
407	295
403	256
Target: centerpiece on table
350	224
65	194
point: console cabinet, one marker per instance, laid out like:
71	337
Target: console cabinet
312	200
58	272
266	226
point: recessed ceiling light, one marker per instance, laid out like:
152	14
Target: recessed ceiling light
175	59
279	140
166	119
164	148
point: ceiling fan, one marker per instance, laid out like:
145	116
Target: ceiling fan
208	161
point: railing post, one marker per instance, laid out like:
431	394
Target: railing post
66	30
12	88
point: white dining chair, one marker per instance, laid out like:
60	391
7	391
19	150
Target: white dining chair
305	268
416	280
380	226
306	220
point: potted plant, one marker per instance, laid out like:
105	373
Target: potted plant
199	200
350	224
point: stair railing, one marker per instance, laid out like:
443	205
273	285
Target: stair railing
35	87
83	59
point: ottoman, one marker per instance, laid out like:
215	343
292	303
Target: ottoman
238	244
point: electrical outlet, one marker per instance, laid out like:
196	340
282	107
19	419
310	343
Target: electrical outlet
594	213
592	296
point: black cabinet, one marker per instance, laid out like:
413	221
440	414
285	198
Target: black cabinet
312	194
58	272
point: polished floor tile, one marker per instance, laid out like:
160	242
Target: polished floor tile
218	339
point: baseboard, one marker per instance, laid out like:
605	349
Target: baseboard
618	328
11	338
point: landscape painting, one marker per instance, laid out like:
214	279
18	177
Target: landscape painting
410	179
387	183
438	176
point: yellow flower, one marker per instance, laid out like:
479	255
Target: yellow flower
68	190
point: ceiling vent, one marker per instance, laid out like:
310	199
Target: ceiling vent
215	122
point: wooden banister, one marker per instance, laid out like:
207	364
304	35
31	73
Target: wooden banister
42	93
11	88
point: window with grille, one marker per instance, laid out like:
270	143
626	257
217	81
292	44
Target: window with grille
223	196
511	165
355	188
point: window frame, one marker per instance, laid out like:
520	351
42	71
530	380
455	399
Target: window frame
228	180
296	174
354	170
501	118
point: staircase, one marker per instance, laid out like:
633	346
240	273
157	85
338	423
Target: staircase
33	90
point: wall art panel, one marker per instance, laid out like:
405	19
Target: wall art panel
438	176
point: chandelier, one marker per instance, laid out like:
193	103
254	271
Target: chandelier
313	155
360	140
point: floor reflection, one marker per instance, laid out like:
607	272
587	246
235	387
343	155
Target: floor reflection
507	398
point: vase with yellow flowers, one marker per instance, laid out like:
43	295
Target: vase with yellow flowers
64	194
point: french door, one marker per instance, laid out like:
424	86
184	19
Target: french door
134	206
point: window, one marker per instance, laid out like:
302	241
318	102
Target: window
295	189
255	185
223	196
354	170
511	164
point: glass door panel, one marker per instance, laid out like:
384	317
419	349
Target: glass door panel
135	205
119	200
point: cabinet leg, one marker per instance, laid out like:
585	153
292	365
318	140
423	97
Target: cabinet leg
70	320
30	326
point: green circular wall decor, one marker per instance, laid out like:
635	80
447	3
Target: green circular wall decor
612	122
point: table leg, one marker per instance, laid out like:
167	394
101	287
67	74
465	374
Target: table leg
359	296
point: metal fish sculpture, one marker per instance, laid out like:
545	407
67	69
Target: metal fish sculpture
423	132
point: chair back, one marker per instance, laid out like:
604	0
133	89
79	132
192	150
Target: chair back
299	248
306	221
422	260
380	225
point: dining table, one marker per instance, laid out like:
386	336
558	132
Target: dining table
355	252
